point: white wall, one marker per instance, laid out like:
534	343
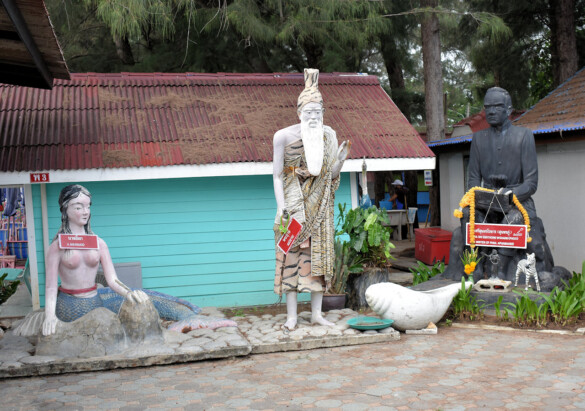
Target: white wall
452	188
560	201
560	198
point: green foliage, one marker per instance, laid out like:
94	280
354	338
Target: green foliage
484	43
577	281
238	313
368	236
7	288
561	306
565	306
465	305
526	311
347	262
492	28
129	18
424	273
501	312
513	61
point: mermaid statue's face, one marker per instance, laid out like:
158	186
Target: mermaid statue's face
78	211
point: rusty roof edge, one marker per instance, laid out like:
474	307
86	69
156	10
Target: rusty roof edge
551	93
370	78
556	129
451	140
467	138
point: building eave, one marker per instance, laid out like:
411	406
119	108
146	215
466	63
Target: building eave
205	170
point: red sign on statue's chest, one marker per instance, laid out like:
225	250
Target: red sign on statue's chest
78	242
498	235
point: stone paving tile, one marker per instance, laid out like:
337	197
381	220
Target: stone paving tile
503	370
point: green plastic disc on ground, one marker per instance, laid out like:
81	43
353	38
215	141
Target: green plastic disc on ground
369	323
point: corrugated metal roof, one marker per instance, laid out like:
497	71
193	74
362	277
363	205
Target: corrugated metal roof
477	122
561	110
160	119
452	140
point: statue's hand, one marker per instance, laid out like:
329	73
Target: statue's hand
343	150
281	216
50	325
137	296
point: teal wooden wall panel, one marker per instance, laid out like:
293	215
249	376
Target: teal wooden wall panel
208	240
38	221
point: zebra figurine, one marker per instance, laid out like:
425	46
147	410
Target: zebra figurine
528	267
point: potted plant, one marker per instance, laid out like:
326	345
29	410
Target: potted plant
346	262
368	236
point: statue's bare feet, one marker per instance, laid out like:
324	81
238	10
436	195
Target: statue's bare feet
318	319
290	324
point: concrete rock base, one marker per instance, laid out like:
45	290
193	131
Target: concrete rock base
266	334
431	329
253	335
17	357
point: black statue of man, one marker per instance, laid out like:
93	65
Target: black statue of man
503	158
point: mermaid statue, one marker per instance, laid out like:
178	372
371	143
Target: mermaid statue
79	294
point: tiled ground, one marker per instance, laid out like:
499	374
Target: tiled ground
457	369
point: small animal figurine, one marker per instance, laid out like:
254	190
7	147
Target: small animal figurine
495	260
528	267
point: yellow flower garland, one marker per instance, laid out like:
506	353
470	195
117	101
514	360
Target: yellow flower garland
468	200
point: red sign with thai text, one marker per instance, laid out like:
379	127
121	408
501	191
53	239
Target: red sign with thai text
288	238
78	242
39	177
499	235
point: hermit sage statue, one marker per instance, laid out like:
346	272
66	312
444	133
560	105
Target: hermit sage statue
307	162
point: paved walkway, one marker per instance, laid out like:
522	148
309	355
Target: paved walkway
456	369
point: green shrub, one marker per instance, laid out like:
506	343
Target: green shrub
347	261
465	305
368	235
424	273
561	306
565	306
7	288
526	311
501	312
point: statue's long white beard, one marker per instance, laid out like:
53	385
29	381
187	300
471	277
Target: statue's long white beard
314	145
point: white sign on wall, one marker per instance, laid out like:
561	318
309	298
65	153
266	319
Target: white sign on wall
428	178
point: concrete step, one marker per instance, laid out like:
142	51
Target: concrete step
400	277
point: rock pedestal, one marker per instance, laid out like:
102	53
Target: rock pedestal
97	333
140	321
549	275
358	284
101	332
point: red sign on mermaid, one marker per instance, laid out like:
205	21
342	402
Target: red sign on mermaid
78	242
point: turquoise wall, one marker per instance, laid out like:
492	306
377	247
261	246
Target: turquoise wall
207	240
